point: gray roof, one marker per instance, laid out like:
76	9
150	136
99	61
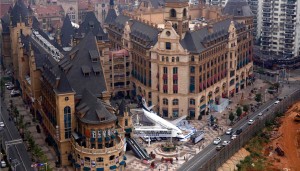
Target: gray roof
91	24
238	8
111	16
19	11
194	41
78	61
93	109
139	29
67	31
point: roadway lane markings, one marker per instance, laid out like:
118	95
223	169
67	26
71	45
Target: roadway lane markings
202	156
12	139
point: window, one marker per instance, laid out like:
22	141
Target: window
168	45
184	12
175	82
165	101
99	159
126	122
67	122
175	102
177	59
172	13
175	113
165	70
175	70
192	101
165	81
112	157
192	69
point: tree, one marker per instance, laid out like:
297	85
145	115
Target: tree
231	117
258	97
245	108
239	111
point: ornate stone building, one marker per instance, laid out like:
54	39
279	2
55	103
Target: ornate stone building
185	72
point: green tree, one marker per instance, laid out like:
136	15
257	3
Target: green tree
239	111
258	97
245	108
231	117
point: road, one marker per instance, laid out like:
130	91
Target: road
18	151
210	150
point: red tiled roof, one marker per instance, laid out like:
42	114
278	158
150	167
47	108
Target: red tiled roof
48	11
4	7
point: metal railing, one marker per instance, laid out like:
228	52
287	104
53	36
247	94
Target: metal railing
228	151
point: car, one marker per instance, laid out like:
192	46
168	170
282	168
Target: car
3	164
251	121
217	140
234	136
276	102
8	83
10	87
163	138
260	114
219	147
2	124
229	131
15	93
225	143
158	138
239	131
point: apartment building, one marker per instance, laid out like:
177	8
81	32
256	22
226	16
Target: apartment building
185	72
280	27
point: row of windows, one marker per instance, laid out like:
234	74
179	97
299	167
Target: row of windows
167	59
174	102
175	70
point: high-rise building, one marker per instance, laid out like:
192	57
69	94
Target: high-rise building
280	27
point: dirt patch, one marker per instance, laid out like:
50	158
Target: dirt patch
288	141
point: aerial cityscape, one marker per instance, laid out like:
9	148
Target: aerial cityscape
158	85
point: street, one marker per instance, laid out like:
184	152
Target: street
18	151
210	151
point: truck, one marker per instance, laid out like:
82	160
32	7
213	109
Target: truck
198	136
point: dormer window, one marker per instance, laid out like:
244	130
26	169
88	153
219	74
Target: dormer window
91	24
168	45
86	70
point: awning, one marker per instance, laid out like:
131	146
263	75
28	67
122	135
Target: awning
77	165
86	169
128	130
99	139
113	167
92	139
122	162
75	135
203	106
124	158
113	136
100	169
107	138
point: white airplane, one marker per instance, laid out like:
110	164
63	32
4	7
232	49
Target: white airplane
160	122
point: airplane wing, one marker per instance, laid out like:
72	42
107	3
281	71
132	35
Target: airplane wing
176	121
151	107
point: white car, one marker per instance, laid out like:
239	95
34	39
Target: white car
15	93
234	136
260	114
225	143
10	87
217	140
2	124
229	131
3	164
276	102
250	122
8	83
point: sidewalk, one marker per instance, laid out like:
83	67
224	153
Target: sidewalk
38	137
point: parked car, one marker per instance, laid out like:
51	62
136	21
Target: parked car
234	136
15	93
2	124
229	131
276	102
10	87
8	83
251	121
219	147
225	143
217	140
158	138
3	164
239	131
260	114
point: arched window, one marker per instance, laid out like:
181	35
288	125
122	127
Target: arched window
173	59
172	13
184	12
165	101
175	102
67	122
177	59
192	101
175	26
